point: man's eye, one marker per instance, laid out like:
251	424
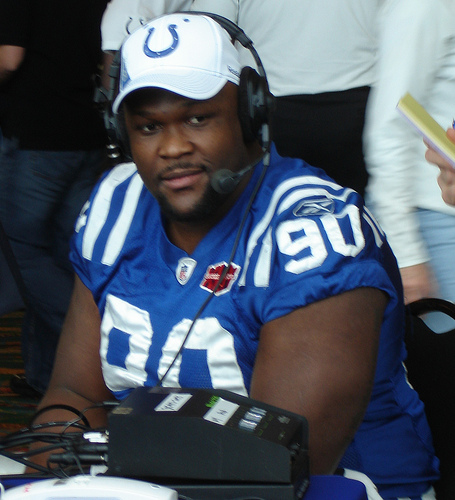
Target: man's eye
148	128
196	120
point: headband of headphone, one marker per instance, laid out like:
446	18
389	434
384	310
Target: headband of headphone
255	100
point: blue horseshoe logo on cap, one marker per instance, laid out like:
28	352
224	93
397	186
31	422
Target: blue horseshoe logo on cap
161	53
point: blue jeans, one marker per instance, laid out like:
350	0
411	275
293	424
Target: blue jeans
41	194
438	231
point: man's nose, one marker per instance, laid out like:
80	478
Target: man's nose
174	143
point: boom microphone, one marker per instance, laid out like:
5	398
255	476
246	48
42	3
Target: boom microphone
224	181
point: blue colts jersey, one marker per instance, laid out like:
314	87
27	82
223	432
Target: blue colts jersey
305	239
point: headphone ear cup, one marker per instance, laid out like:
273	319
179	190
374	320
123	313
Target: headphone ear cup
253	103
119	127
118	143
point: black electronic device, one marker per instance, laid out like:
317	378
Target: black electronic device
209	444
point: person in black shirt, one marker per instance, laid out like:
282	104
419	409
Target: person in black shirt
52	149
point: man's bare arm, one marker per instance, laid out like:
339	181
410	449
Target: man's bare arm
319	361
77	379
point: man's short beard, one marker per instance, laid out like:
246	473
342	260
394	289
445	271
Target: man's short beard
201	212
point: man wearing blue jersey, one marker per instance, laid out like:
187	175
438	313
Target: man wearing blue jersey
210	263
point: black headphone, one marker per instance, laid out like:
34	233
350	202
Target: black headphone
255	101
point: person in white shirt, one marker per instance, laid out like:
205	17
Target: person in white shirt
416	55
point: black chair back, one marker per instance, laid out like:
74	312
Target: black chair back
431	371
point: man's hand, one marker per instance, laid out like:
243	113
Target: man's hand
11	57
418	282
77	379
446	179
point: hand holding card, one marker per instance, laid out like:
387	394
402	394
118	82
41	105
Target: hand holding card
432	132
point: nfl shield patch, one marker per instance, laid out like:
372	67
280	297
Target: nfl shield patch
185	268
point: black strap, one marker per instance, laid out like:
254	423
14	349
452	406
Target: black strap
13	266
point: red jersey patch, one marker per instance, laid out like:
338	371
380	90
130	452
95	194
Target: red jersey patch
213	274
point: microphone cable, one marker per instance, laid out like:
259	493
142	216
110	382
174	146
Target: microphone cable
266	162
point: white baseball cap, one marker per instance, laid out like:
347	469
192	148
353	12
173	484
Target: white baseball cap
188	54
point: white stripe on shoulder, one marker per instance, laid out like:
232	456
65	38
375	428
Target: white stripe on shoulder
376	228
300	188
101	205
122	225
